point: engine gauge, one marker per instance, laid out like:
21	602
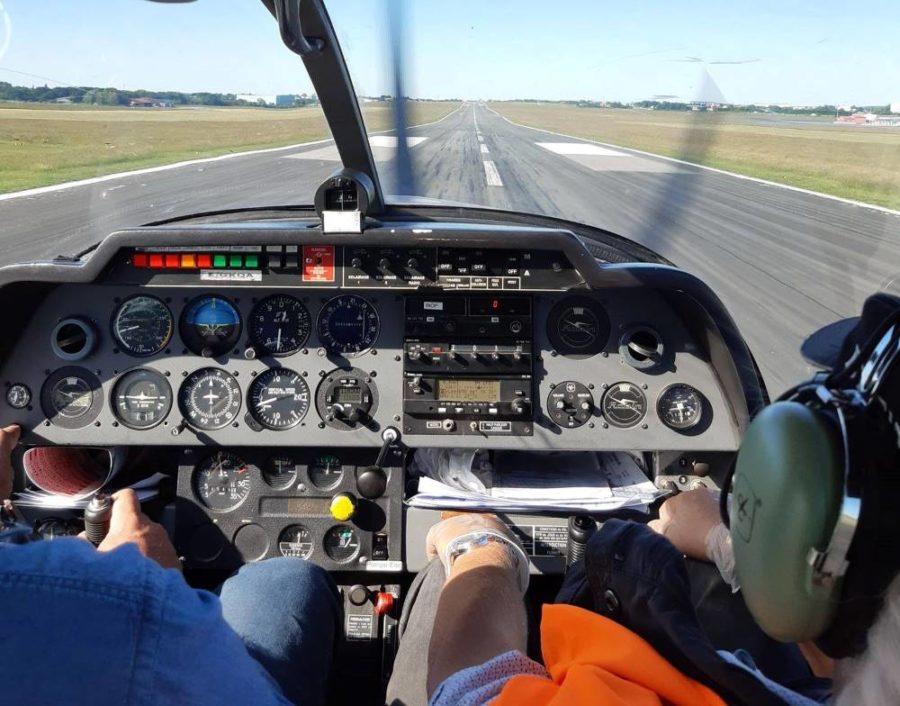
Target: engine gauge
279	325
341	544
295	541
142	398
72	397
348	325
222	481
325	472
680	407
624	405
278	398
210	326
578	326
142	325
209	399
280	472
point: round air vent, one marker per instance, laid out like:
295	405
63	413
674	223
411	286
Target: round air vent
641	347
73	339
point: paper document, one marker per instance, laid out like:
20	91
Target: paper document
563	482
145	490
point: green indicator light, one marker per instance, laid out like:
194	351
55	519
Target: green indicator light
236	261
251	261
219	261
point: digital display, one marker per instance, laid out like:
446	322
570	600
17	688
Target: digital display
278	507
468	390
343	395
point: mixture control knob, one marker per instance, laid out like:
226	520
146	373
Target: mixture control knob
343	507
358	595
356	263
371	482
384	263
384	603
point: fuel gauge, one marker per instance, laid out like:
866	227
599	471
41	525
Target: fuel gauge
280	472
325	472
680	407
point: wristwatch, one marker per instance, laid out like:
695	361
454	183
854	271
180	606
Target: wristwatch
481	538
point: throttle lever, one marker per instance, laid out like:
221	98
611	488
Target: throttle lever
96	518
371	482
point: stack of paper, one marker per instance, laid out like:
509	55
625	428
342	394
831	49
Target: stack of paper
563	482
146	489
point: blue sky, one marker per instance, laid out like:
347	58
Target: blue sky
798	52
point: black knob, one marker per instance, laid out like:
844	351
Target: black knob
358	594
96	518
371	482
412	263
356	263
384	263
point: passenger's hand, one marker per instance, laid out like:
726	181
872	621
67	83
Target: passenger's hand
511	560
445	531
686	519
128	525
9	437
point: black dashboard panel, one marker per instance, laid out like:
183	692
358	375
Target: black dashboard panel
327	345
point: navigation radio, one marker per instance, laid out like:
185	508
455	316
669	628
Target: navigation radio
468	365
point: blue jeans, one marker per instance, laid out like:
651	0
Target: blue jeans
287	612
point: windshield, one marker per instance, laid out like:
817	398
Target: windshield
755	144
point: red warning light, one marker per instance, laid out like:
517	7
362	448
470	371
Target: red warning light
173	261
204	261
495	304
140	260
157	262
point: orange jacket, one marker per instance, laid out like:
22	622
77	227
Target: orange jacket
594	661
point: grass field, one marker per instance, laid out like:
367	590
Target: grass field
43	145
859	163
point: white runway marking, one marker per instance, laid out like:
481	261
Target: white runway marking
480	138
383	147
581	148
485	150
391	141
493	176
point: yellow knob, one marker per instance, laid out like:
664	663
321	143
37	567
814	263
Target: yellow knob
343	507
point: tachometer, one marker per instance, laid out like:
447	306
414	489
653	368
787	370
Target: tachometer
142	325
279	325
222	481
209	399
210	326
278	398
624	405
348	325
680	407
142	398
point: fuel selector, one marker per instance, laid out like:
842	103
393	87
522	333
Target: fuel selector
570	404
346	399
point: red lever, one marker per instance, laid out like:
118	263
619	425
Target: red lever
384	603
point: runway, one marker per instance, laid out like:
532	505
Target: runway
783	261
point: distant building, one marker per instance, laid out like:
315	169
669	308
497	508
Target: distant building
895	107
869	119
149	103
284	100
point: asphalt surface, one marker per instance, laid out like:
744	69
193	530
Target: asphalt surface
784	262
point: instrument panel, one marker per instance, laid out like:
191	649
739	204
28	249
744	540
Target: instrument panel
162	351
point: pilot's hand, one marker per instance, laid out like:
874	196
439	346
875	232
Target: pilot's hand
686	519
9	437
128	525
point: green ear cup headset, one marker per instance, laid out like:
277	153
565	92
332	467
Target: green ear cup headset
813	518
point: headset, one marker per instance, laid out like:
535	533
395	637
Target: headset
815	509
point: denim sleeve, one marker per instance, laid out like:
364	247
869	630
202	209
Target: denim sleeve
80	627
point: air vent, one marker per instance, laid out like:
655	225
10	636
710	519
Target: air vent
73	339
641	347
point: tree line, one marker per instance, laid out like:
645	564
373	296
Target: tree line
91	95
